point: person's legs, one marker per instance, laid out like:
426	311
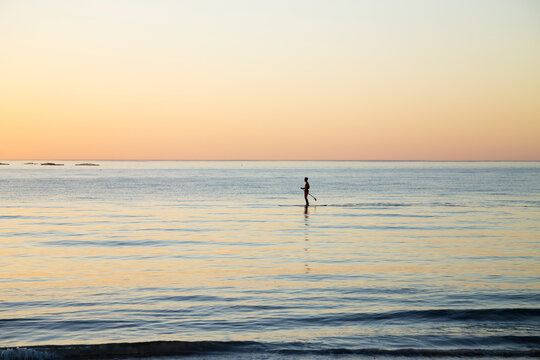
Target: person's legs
306	197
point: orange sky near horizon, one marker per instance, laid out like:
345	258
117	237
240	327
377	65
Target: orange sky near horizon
270	80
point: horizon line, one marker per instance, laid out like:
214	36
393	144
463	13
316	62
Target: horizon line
355	160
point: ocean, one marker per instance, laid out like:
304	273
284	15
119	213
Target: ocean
220	259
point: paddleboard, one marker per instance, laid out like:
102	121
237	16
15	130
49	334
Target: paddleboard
303	205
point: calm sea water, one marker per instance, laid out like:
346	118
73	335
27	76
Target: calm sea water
220	259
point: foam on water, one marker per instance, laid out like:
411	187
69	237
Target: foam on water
237	349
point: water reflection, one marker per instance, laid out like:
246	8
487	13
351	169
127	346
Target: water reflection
147	254
307	268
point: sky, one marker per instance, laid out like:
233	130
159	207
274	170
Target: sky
270	79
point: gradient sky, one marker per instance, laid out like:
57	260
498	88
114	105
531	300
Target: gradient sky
276	79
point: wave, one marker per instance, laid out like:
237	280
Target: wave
499	318
186	348
510	315
503	314
469	316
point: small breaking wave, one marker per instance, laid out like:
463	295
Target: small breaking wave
187	348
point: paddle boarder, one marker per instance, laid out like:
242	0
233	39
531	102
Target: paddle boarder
306	190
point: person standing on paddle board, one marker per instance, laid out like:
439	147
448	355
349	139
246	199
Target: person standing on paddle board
306	190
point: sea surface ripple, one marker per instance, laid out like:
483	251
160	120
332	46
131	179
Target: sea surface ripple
165	258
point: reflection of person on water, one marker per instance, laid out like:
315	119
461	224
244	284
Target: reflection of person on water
306	190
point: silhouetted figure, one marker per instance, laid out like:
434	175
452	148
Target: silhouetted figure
306	190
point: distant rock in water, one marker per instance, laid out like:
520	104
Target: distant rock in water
30	163
4	164
86	164
52	164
